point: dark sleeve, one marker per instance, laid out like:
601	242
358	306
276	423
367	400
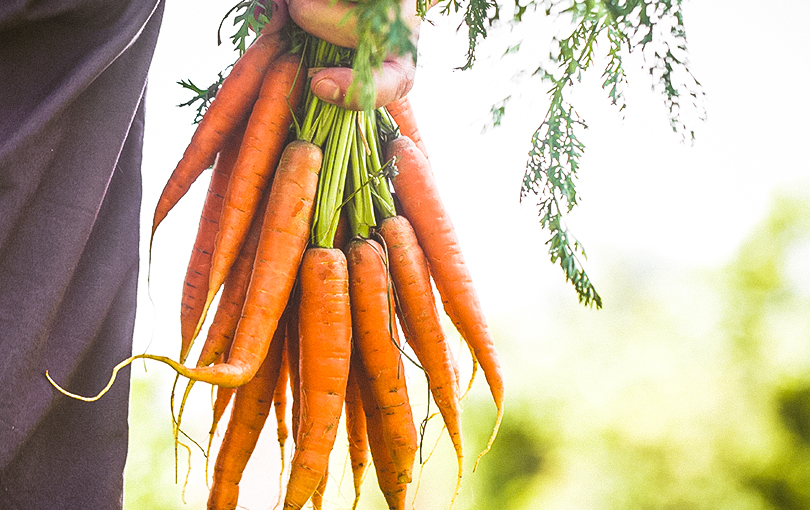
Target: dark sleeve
71	127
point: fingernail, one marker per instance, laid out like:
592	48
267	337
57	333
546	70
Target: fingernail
327	89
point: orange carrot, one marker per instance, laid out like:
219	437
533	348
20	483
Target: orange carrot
280	401
356	431
403	115
421	324
324	354
421	204
223	398
285	233
222	330
195	286
229	309
231	105
262	146
292	359
221	401
393	490
250	410
317	496
376	342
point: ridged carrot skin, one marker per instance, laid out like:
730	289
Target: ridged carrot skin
251	407
392	489
421	323
229	108
195	285
324	357
419	198
377	345
403	115
262	146
284	237
359	453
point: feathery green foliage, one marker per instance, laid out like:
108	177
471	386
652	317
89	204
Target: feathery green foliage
653	26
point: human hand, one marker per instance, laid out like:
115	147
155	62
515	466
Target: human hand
334	22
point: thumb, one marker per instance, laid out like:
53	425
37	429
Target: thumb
393	81
277	12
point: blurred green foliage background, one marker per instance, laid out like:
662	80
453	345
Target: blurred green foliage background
690	390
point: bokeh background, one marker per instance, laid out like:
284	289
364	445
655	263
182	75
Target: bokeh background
690	389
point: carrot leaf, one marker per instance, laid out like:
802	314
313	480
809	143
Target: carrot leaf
204	96
253	18
381	32
655	27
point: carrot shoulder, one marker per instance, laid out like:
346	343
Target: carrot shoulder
324	357
419	197
230	106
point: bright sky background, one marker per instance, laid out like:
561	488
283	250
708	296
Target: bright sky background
647	199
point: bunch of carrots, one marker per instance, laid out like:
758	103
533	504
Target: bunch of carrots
321	233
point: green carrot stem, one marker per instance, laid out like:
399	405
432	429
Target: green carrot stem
333	178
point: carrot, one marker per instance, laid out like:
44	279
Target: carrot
292	360
280	402
234	291
229	310
285	231
236	95
250	410
221	401
356	431
404	116
377	345
261	150
195	285
317	496
280	406
421	204
393	490
324	354
421	324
